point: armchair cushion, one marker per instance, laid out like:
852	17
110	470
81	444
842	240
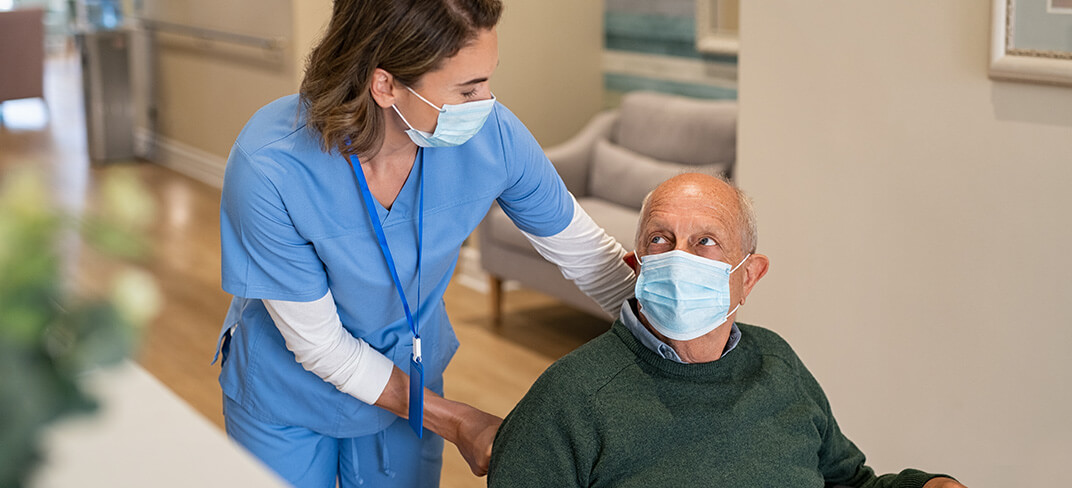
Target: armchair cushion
624	177
573	157
673	128
503	232
618	221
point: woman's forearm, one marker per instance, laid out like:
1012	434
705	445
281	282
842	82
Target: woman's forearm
440	415
467	427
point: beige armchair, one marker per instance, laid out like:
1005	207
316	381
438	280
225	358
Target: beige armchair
22	54
610	166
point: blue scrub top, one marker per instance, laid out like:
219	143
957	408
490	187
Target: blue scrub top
293	226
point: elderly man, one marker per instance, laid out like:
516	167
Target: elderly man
677	393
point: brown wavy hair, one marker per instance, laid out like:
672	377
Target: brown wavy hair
406	38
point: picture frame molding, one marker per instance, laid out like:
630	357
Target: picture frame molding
1053	67
710	39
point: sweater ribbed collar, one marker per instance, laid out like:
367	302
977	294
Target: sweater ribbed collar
711	371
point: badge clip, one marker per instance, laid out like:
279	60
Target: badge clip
416	390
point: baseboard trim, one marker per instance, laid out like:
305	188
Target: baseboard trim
183	158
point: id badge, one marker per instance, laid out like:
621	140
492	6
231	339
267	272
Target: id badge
416	391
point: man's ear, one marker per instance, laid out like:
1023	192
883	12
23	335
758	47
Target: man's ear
383	88
630	259
754	269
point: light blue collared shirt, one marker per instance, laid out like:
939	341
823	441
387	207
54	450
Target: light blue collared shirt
632	321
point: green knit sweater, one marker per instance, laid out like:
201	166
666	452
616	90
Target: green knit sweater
614	413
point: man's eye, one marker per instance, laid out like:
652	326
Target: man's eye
658	240
707	241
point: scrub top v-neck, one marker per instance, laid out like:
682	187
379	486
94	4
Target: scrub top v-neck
293	226
400	207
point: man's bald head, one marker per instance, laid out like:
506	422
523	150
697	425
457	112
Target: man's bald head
709	218
701	193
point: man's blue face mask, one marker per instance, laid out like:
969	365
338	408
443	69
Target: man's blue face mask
455	124
684	296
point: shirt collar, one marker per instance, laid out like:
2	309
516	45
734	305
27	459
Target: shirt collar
631	320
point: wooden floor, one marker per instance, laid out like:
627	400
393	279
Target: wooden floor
492	370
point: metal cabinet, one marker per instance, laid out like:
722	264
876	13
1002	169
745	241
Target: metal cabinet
105	56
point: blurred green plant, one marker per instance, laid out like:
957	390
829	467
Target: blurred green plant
50	335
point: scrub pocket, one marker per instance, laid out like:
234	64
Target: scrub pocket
225	346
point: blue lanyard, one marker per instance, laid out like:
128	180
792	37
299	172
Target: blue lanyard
416	370
370	206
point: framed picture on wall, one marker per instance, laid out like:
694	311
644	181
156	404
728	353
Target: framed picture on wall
716	27
1030	41
1060	7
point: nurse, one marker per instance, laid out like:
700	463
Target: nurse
343	211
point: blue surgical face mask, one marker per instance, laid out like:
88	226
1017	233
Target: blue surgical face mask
684	296
455	125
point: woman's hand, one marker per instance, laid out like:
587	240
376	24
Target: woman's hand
476	431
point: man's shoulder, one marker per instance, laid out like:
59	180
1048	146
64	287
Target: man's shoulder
586	369
766	342
770	345
761	335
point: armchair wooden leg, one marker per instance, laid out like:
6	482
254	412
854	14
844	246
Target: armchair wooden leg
496	301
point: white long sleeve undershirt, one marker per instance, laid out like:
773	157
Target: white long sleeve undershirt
591	258
314	333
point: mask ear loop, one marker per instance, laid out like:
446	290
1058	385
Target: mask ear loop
403	117
731	312
425	100
746	256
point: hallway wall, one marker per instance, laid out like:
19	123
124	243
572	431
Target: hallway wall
549	71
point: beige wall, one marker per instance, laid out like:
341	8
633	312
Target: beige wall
916	215
205	93
550	71
310	20
205	97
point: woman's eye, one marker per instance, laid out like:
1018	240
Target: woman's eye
707	241
658	240
469	94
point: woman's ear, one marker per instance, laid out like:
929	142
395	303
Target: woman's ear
383	88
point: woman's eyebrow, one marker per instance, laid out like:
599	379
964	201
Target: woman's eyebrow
474	81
